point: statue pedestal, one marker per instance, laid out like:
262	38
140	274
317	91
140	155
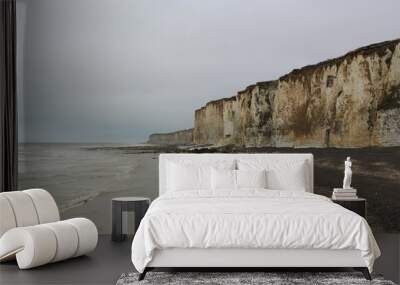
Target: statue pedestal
343	193
345	189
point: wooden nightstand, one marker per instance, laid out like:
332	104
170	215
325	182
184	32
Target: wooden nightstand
358	205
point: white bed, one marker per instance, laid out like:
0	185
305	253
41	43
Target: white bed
250	227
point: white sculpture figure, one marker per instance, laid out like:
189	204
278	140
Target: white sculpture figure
347	174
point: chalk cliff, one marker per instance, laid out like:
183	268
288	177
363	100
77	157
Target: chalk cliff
349	101
184	137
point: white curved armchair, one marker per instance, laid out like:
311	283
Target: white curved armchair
31	230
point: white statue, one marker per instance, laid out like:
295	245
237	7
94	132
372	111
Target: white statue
347	174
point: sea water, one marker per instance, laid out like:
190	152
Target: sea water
75	173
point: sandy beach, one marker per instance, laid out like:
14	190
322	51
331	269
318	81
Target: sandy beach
84	179
145	184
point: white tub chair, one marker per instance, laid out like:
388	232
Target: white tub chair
31	230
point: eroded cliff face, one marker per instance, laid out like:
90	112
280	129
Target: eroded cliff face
184	137
350	101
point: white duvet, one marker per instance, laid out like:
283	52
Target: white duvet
250	219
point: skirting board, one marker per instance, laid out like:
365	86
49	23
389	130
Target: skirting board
228	257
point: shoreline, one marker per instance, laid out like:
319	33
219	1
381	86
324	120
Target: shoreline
97	209
376	176
153	148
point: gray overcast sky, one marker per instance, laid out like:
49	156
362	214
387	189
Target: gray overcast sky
116	71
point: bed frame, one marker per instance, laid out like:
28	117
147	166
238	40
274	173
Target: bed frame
245	258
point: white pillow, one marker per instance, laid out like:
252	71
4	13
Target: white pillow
188	174
188	177
223	179
251	178
281	175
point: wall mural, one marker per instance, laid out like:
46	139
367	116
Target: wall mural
347	106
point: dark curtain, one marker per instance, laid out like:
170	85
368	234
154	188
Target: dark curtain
8	97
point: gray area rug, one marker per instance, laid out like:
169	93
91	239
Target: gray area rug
228	278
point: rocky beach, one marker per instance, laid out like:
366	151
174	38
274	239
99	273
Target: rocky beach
376	176
345	106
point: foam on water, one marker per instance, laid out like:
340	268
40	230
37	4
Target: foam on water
76	173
